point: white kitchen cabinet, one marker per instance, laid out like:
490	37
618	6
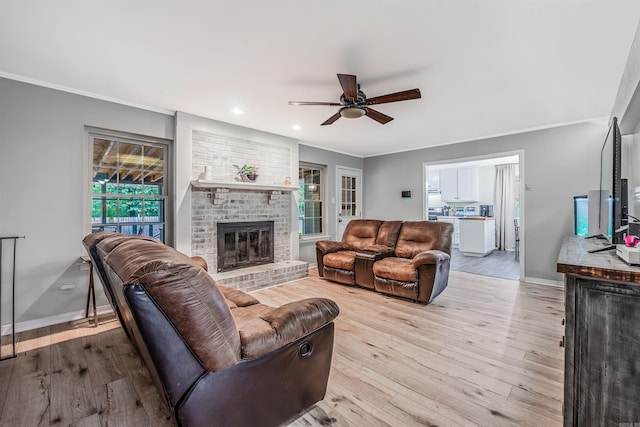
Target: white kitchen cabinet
455	238
459	184
477	236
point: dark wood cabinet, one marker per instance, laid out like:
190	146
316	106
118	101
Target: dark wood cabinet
602	337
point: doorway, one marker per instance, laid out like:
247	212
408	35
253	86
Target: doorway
484	198
349	195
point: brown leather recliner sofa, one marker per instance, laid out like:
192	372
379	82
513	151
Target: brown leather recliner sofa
218	356
407	259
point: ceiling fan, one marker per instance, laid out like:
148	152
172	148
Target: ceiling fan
354	103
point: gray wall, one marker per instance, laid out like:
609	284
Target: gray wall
330	159
43	169
558	164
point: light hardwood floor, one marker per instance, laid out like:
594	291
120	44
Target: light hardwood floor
485	353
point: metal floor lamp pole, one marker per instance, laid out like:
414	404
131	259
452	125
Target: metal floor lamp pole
13	294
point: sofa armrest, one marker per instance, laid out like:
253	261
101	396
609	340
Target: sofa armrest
375	252
236	297
328	246
285	324
199	261
296	319
430	257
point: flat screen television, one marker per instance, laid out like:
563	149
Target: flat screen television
613	192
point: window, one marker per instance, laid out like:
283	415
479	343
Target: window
310	205
128	186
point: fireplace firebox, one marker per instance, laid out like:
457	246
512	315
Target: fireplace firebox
244	244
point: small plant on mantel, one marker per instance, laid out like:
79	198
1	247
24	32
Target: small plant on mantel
247	173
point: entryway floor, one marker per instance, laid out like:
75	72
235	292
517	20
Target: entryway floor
500	264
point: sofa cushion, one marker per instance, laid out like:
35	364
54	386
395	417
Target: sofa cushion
202	317
344	260
133	258
401	269
388	233
418	236
360	233
107	241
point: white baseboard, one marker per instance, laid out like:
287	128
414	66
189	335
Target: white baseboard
51	320
537	281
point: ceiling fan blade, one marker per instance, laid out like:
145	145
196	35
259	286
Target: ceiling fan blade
349	86
331	119
331	104
394	97
378	116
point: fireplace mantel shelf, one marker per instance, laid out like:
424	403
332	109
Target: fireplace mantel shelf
203	183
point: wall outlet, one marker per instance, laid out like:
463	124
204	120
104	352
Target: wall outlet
67	287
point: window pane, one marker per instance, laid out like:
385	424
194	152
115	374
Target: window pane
104	210
111	228
130	210
129	155
153	210
135	172
310	202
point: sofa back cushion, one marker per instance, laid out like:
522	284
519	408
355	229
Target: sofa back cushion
418	236
388	233
186	294
361	233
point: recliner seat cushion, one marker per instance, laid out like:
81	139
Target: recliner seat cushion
344	260
401	269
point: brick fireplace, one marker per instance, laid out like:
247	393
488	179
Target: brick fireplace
223	200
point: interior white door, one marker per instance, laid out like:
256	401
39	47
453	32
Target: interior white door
349	196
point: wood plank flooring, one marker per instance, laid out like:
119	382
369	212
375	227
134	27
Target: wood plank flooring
485	353
500	264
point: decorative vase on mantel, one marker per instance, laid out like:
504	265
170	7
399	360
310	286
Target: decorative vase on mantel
247	173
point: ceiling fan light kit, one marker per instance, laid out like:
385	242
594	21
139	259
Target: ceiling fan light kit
352	112
354	103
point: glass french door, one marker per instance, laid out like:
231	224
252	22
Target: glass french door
349	191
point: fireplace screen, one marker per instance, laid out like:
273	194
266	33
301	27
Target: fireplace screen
244	244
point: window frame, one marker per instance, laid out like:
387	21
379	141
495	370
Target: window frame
323	202
92	134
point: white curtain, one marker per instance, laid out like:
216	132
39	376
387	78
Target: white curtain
505	207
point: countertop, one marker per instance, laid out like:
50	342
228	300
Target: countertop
477	218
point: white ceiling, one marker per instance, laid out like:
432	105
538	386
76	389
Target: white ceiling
484	67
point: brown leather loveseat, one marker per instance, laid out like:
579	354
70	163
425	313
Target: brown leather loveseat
406	259
218	356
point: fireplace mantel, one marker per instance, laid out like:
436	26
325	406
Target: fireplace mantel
203	183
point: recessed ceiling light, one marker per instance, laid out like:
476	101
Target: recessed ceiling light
237	111
296	127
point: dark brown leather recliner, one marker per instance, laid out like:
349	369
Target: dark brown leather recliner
419	269
218	355
350	260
